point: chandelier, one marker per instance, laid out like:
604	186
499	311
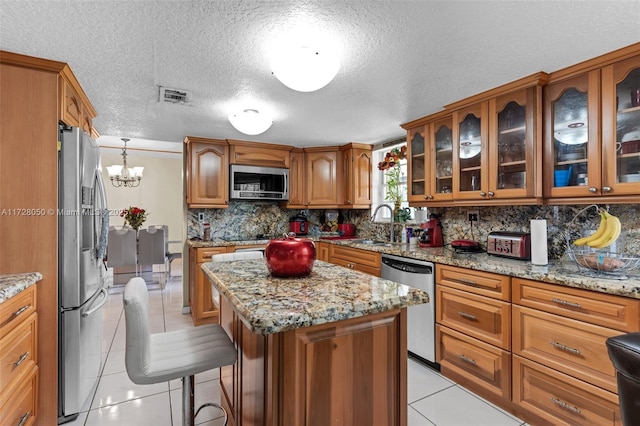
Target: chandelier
129	177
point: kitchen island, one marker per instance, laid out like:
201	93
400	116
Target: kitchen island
329	348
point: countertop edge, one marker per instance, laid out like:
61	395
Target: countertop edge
13	284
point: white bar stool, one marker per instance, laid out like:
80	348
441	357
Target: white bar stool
160	357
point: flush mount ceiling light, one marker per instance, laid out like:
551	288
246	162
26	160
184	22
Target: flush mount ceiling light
304	68
129	177
250	122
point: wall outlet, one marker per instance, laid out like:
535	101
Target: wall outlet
474	215
200	217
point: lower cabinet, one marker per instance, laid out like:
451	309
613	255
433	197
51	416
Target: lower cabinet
18	359
203	310
539	353
322	251
353	258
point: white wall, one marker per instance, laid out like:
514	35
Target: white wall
159	193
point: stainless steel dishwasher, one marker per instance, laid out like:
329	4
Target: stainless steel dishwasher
421	319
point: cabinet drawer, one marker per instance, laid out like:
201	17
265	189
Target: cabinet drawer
617	312
559	399
16	309
21	407
204	254
479	366
481	317
356	266
483	283
363	257
573	347
18	351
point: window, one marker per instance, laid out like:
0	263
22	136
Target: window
380	178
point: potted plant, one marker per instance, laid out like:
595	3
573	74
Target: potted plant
395	190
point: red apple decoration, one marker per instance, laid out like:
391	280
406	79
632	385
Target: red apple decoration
290	256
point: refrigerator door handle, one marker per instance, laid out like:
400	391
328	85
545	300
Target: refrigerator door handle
100	304
102	225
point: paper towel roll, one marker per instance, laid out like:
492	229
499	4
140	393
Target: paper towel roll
539	255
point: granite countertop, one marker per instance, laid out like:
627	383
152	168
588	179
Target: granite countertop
224	243
12	284
330	293
561	272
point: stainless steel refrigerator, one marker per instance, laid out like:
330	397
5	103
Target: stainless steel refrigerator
82	232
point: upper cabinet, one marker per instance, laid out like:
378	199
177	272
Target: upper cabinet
259	154
321	177
207	172
430	164
75	108
592	129
296	180
356	176
487	149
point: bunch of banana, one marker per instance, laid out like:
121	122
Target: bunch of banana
608	231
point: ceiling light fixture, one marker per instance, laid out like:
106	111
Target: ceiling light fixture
129	177
250	122
304	68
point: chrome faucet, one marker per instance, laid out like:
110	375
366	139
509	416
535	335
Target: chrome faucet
373	216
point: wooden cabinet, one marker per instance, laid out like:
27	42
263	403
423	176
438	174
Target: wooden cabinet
430	159
473	331
31	107
321	183
259	154
19	359
297	179
561	370
353	258
207	173
592	129
322	251
356	177
203	308
270	383
75	109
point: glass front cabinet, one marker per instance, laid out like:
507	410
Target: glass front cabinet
430	163
592	132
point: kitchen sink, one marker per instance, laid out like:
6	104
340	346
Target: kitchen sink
372	242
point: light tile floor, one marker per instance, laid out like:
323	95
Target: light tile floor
433	399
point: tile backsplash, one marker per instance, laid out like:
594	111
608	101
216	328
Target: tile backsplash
244	220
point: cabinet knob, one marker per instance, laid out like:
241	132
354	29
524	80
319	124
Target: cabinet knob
426	197
483	194
592	189
431	197
348	201
491	193
606	189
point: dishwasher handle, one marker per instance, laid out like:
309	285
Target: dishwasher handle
408	267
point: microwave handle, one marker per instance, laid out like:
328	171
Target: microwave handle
286	184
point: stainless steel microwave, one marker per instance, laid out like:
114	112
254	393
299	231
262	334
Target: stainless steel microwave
258	183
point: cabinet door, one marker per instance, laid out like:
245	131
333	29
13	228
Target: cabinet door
440	160
71	108
621	127
296	180
571	137
208	175
416	166
321	183
470	152
512	144
357	177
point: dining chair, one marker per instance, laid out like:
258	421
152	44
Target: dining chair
122	247
160	357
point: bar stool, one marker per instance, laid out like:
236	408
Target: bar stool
160	357
624	352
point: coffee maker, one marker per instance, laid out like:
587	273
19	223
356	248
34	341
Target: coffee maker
432	232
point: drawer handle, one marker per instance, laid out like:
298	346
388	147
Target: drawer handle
24	418
467	316
467	359
466	281
566	303
16	313
22	358
565	348
564	405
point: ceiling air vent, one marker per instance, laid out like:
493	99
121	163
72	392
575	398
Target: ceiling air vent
173	96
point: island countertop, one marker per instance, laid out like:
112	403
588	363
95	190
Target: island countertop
267	304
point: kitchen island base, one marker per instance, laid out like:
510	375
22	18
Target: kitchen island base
349	372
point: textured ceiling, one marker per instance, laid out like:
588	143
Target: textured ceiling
400	60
